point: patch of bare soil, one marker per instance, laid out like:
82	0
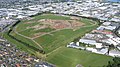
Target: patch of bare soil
38	34
74	18
37	27
55	24
60	24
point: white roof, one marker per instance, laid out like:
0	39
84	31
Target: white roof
115	19
106	23
2	40
106	27
102	51
90	49
116	40
114	53
110	27
99	45
119	31
103	8
100	28
105	50
118	47
112	42
20	16
77	43
72	43
87	41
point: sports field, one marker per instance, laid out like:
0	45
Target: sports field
68	57
51	33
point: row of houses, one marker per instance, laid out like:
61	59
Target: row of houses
5	22
10	56
102	11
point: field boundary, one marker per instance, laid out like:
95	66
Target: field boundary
27	37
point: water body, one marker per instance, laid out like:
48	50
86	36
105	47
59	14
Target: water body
114	1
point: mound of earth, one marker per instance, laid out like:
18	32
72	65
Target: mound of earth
61	24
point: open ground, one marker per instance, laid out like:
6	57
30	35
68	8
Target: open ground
52	33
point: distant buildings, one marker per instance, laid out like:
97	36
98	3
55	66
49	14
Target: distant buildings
100	40
97	41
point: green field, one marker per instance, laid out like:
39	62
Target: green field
68	57
19	45
57	39
50	43
22	26
60	38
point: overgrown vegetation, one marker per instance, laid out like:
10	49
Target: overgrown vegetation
114	63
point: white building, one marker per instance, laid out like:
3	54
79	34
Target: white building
106	23
116	40
112	42
114	53
98	45
86	41
106	27
102	51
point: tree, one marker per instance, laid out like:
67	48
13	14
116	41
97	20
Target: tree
114	63
110	48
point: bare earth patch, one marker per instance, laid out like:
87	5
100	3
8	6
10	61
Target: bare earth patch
74	18
29	22
37	27
37	34
55	24
61	24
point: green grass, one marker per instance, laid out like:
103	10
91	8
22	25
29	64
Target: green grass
87	21
32	31
61	38
57	39
1	33
63	57
28	41
21	27
44	30
28	32
19	45
68	57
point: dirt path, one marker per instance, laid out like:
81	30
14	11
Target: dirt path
53	51
49	33
27	37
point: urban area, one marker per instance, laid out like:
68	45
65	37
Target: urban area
103	40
